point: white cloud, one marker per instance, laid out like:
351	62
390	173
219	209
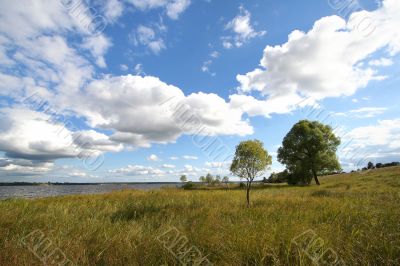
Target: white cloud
299	68
206	67
217	164
28	134
190	157
156	46
227	44
217	116
113	9
206	64
214	54
379	142
95	141
145	110
279	105
137	170
131	107
147	36
56	57
381	62
173	158
53	66
355	100
189	168
32	19
368	112
36	36
139	69
153	158
363	112
173	8
4	58
169	166
123	67
52	60
243	29
78	174
168	171
22	167
97	46
30	22
176	7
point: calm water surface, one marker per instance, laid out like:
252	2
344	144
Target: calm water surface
57	190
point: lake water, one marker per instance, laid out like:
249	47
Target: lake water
57	190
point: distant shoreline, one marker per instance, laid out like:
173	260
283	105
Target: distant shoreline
105	183
83	184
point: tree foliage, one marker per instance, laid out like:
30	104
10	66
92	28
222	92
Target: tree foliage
209	178
370	165
183	178
250	161
309	150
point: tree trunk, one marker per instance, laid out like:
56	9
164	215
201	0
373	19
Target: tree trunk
248	194
315	177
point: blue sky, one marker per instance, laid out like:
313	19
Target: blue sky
94	91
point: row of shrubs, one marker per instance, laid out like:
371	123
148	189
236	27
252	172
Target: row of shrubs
208	180
292	179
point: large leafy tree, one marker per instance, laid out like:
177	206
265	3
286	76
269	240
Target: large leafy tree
250	161
308	150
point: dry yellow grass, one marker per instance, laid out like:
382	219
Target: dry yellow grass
356	215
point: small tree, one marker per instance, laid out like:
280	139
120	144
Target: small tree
202	179
209	178
370	165
183	178
225	180
216	180
309	149
250	161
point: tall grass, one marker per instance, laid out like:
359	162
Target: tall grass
356	215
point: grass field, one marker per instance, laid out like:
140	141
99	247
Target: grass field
355	217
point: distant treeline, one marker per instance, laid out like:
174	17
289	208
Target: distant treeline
379	165
20	184
286	177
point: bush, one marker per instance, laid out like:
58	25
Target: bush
278	177
189	185
290	178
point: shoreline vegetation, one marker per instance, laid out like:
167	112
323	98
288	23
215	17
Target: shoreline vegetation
351	219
